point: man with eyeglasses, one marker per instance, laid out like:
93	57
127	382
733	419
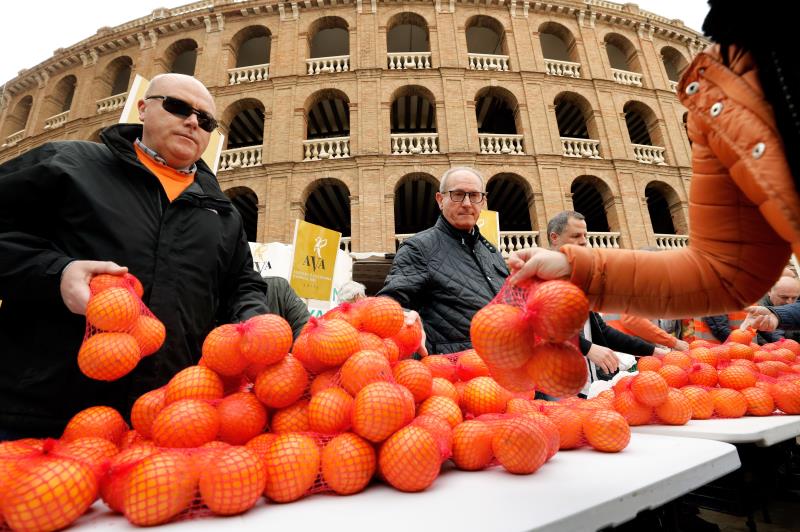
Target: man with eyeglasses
142	201
450	271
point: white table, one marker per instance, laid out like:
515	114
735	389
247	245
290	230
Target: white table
762	431
576	490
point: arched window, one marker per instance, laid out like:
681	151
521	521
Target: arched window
644	132
182	57
408	42
16	122
509	195
246	202
590	196
328	204
119	74
251	52
329	46
559	50
674	65
497	116
665	208
626	67
246	119
415	206
486	44
327	117
413	121
56	106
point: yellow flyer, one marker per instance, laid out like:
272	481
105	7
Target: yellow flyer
315	250
130	115
489	224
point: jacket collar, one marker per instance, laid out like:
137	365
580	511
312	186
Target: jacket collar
469	238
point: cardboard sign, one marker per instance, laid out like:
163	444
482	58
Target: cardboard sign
489	225
130	115
314	260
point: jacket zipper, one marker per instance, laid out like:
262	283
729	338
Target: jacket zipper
480	267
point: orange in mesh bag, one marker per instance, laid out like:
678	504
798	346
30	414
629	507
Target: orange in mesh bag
440	430
520	445
99	421
410	459
348	463
330	411
379	410
502	336
120	329
557	310
472	445
43	489
482	395
415	376
292	463
331	342
159	487
232	480
700	401
242	417
607	431
381	315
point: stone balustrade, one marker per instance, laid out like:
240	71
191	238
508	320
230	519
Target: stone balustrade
246	157
585	148
624	77
112	103
57	120
14	138
409	60
321	65
488	62
516	240
248	74
345	244
493	144
673	86
562	68
414	143
664	241
649	154
598	239
330	148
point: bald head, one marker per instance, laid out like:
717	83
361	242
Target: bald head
176	137
785	291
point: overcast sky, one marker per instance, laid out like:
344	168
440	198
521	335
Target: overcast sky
32	32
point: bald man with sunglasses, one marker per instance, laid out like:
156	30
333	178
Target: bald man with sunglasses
141	201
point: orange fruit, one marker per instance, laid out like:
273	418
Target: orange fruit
281	384
392	350
676	410
91	450
787	396
260	444
677	358
441	366
706	355
330	411
515	380
266	339
700	401
675	376
443	387
194	382
292	462
348	463
440	430
482	395
409	406
520	405
331	342
302	352
381	315
557	310
103	281
362	368
607	431
790	344
113	310
557	369
149	333
233	481
186	423
349	312
108	356
368	341
48	493
648	363
115	481
549	429
721	353
444	407
634	412
728	403
293	418
740	336
134	438
520	446
99	421
785	355
759	402
741	351
409	338
410	459
145	410
736	377
702	374
569	424
773	368
415	376
241	418
501	335
159	487
327	379
472	445
379	410
221	351
649	388
470	365
700	343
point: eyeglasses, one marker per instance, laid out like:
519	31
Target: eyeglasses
178	107
459	195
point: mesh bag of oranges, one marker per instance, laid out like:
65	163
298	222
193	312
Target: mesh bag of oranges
120	329
527	337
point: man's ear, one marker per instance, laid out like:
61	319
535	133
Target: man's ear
439	199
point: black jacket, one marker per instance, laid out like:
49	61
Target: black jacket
607	336
446	275
82	200
719	325
788	321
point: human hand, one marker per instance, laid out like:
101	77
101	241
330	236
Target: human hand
661	351
681	345
604	358
75	279
410	317
537	262
761	318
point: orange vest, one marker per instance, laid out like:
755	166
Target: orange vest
703	332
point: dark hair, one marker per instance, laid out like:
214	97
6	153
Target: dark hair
558	223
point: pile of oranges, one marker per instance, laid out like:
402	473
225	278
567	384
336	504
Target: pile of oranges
120	329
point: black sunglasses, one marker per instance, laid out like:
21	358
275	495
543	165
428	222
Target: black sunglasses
180	108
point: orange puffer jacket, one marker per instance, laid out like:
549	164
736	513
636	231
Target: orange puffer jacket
744	210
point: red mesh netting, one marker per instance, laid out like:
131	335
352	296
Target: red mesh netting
120	329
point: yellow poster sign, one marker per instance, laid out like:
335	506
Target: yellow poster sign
489	224
315	250
130	115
